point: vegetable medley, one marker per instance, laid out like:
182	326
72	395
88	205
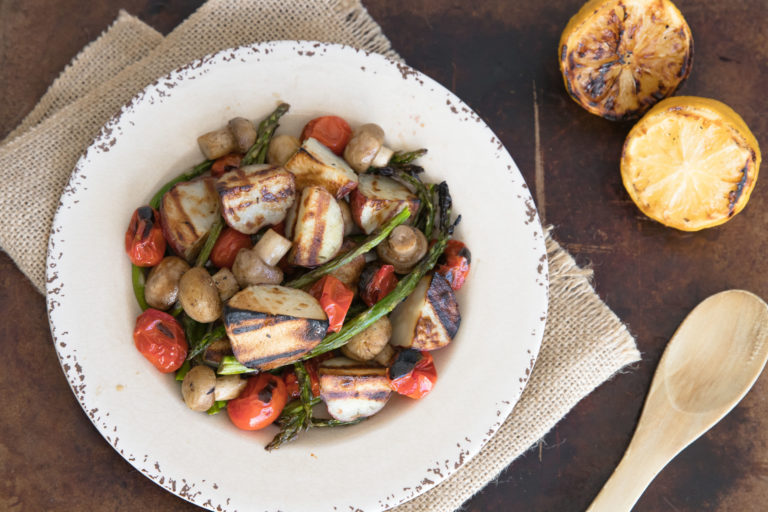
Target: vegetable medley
283	273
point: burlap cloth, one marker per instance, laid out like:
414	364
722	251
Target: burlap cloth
584	342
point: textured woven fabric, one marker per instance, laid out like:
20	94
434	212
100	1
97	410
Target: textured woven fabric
584	342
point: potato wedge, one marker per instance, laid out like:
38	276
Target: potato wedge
377	199
270	325
319	230
255	196
429	318
353	390
316	165
187	212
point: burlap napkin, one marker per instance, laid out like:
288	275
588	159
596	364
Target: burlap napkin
584	342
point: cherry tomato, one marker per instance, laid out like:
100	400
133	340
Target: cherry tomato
314	379
331	131
259	404
144	241
291	384
160	338
376	286
227	246
419	380
334	298
225	164
456	267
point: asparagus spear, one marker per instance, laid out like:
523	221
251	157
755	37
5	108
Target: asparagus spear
369	244
213	235
194	173
207	339
297	416
266	129
138	279
407	156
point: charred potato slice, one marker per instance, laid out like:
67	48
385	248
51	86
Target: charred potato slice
429	318
255	196
270	326
377	199
187	212
316	165
353	390
319	230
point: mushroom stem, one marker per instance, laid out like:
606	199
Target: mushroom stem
382	157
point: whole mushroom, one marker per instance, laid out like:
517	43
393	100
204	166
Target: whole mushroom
250	269
403	248
198	388
366	148
162	287
244	133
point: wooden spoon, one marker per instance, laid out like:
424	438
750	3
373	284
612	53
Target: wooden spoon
710	363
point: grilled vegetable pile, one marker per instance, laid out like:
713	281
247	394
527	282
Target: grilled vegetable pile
283	273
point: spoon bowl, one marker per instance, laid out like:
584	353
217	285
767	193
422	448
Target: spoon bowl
711	362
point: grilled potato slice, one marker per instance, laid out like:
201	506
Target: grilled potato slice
377	199
270	325
316	165
353	390
429	318
255	196
319	230
619	57
187	211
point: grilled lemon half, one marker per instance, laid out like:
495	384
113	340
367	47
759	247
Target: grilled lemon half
619	57
690	163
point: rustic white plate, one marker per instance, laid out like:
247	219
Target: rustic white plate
411	445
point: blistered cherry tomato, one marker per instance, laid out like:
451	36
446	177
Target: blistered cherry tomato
455	268
225	164
291	384
160	338
227	246
144	240
331	131
334	298
375	287
417	382
259	404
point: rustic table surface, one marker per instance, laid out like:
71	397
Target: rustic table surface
500	57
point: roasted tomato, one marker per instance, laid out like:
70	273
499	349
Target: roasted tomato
144	240
413	374
225	164
331	131
160	338
227	246
455	268
259	404
334	298
376	283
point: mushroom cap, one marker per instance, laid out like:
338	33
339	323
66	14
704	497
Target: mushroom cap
403	248
363	146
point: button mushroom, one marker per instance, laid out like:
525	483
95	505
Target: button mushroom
366	148
228	387
403	248
244	133
225	283
250	269
369	343
198	388
199	296
162	287
217	143
282	148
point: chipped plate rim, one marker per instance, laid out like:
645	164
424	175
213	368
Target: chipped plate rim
394	456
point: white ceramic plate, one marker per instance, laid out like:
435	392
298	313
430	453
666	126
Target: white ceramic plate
408	447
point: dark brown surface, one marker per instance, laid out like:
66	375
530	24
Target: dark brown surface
498	57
